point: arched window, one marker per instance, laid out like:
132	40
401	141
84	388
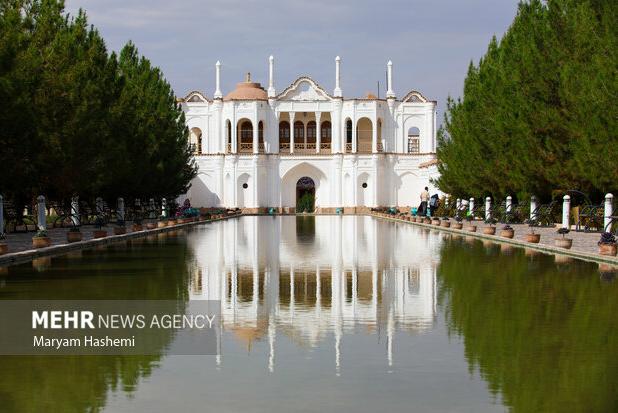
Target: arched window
311	132
299	131
246	132
348	131
326	132
228	130
414	135
364	135
195	140
284	132
261	132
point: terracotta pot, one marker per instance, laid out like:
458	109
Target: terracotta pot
607	249
41	242
533	238
507	233
4	248
172	222
471	228
436	222
137	228
161	224
489	230
120	230
151	225
563	243
445	224
74	236
427	220
99	233
457	225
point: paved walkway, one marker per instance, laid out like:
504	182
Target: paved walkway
584	243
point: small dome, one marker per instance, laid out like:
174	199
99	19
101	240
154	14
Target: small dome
247	90
371	96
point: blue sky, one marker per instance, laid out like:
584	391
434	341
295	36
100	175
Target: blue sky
430	42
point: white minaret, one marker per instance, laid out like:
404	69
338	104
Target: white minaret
218	94
271	77
389	88
337	91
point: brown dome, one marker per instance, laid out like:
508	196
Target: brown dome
247	90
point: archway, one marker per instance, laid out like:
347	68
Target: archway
305	195
414	135
195	140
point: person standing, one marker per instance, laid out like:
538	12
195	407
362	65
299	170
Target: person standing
424	200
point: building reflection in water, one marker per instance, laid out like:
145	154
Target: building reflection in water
309	277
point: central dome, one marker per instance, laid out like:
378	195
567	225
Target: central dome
247	90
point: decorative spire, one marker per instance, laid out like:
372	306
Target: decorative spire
248	78
337	91
271	79
390	94
218	94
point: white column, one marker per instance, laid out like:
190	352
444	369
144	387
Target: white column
509	204
218	94
374	135
292	115
120	209
318	132
533	206
271	80
337	91
609	210
74	211
566	211
234	131
389	91
354	136
488	207
41	221
256	139
458	203
471	205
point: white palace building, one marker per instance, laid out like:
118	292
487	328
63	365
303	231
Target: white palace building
258	149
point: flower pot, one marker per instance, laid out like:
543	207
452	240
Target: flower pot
137	228
471	228
457	225
445	224
427	220
4	248
489	230
74	236
607	249
507	233
563	243
41	242
99	233
533	238
120	230
172	222
161	224
151	225
436	222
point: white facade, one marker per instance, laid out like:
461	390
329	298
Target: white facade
253	145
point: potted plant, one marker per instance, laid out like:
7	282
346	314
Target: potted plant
532	237
458	222
491	228
4	247
40	239
607	244
99	232
120	228
471	227
162	221
507	231
446	223
74	234
563	242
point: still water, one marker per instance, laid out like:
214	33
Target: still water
346	314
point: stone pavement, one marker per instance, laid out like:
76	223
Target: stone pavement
584	243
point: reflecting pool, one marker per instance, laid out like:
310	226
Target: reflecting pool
332	313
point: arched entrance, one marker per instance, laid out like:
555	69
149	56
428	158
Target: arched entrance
305	195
